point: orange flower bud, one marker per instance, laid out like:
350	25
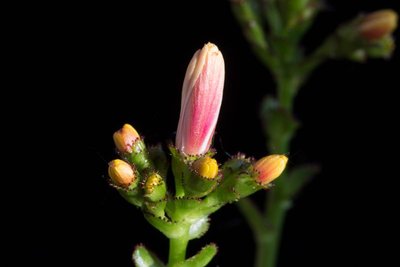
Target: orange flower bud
270	167
378	24
206	167
125	137
121	173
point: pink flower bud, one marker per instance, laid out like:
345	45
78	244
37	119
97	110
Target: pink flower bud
201	100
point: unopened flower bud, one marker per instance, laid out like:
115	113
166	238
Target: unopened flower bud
152	181
270	167
125	137
206	167
201	101
154	187
121	173
378	24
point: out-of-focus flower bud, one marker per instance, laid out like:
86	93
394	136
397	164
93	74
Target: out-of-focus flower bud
201	100
269	168
125	137
378	24
121	173
206	167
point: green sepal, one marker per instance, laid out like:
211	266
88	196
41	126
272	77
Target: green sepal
347	42
188	183
201	259
180	171
239	181
134	196
198	186
156	208
139	156
382	48
239	186
155	194
144	258
158	192
159	159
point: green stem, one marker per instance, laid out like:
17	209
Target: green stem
275	214
278	51
272	15
177	250
288	84
277	203
251	25
325	51
253	216
266	234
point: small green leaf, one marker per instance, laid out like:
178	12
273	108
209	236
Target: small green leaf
298	177
199	228
144	258
201	259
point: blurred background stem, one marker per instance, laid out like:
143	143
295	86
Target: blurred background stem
274	29
267	225
282	56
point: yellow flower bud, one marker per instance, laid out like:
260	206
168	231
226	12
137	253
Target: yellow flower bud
270	167
125	137
378	24
121	173
206	167
152	181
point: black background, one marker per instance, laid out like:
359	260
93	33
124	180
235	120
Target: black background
108	64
